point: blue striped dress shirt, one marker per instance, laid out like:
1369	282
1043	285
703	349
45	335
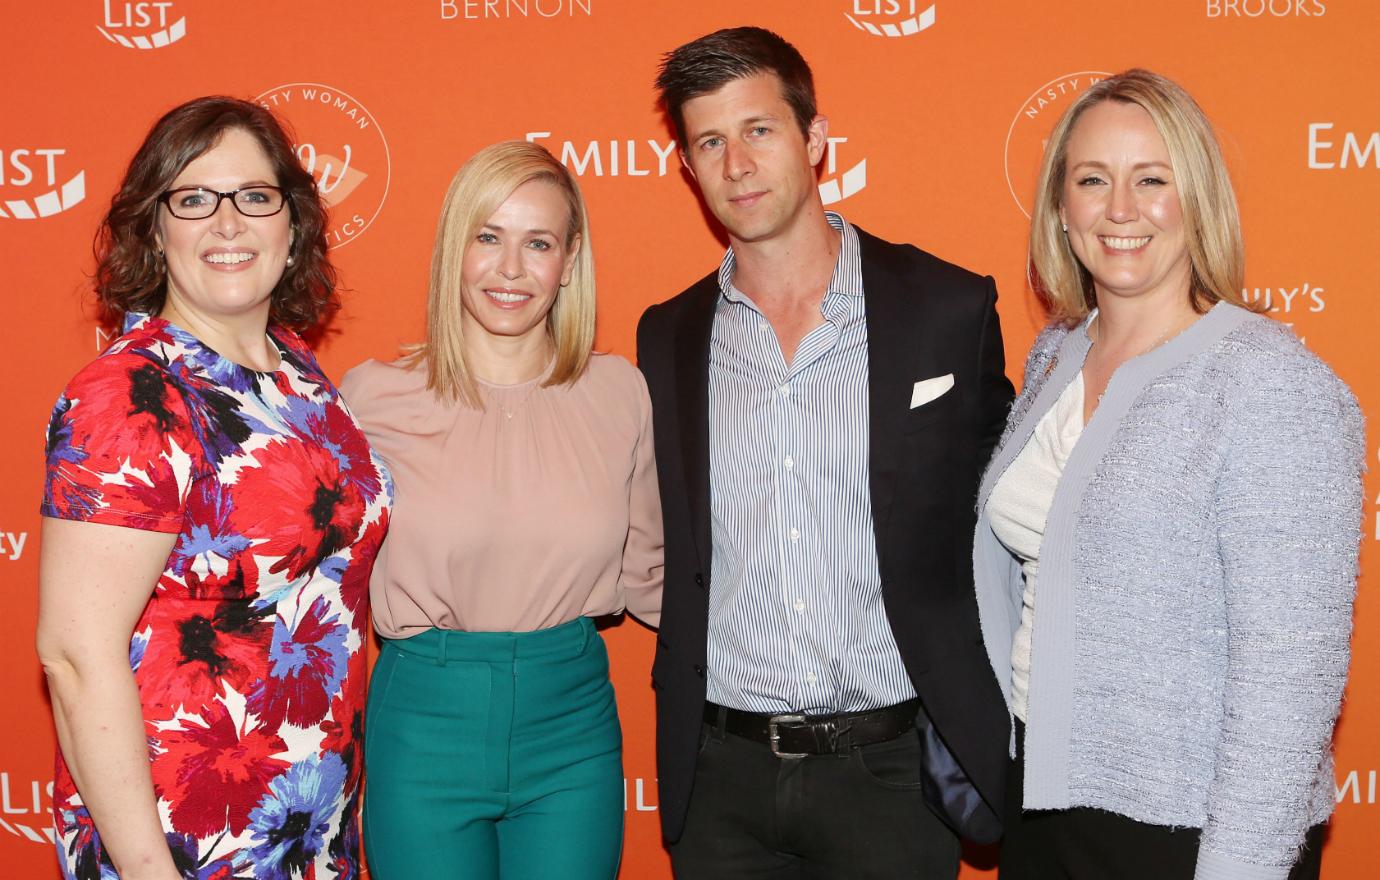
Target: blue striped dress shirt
796	621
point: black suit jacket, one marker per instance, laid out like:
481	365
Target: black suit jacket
925	318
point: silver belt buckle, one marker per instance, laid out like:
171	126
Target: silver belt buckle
774	734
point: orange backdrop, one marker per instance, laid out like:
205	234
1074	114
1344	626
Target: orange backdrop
938	112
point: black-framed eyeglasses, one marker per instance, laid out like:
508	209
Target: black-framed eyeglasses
196	203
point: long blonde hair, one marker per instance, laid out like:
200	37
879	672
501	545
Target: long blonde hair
478	189
1212	226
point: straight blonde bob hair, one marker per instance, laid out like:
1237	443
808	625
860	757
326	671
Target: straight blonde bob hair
478	189
1212	226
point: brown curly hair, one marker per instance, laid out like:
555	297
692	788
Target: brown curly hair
130	274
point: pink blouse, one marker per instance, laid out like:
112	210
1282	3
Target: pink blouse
538	509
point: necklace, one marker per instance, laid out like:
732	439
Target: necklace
1159	340
507	399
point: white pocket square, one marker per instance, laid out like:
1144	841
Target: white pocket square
929	389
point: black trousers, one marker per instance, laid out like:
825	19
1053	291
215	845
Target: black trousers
853	816
1088	844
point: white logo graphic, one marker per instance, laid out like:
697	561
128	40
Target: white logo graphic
12	545
17	168
1025	139
902	19
1377	527
149	18
1353	154
1358	787
612	158
343	148
1287	300
639	803
477	9
630	157
16	800
1272	8
853	180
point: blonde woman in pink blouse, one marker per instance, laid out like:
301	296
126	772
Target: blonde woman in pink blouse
526	504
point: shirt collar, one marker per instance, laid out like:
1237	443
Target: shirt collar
847	278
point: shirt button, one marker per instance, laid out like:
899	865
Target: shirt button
785	391
811	678
799	606
764	326
788	462
795	534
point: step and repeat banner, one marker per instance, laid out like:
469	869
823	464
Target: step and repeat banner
938	113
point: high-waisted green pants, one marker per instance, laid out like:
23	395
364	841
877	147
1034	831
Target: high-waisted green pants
493	756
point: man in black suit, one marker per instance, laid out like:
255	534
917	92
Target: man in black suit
824	405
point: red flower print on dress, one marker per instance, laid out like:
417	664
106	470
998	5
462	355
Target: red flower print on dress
132	467
296	505
212	773
345	735
354	583
249	654
139	397
204	642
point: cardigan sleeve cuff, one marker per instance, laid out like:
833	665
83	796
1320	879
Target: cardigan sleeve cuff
1215	866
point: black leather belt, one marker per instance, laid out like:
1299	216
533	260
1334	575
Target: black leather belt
795	736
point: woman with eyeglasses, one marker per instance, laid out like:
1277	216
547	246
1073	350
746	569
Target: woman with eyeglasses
211	513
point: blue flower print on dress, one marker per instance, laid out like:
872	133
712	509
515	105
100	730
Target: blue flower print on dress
289	826
308	662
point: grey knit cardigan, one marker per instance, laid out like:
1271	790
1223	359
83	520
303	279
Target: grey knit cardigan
1193	616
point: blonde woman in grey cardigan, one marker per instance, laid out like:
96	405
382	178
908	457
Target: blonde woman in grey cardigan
1166	552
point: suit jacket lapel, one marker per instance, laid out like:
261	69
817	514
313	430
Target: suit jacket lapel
890	328
692	386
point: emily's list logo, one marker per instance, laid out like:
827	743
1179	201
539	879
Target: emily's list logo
834	189
342	147
635	795
1329	148
25	809
50	185
1030	129
1357	787
142	25
648	157
890	18
1375	535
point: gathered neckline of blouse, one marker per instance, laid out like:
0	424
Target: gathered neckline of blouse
501	387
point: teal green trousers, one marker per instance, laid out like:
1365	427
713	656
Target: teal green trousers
493	756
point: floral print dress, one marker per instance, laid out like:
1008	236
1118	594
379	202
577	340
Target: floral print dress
249	656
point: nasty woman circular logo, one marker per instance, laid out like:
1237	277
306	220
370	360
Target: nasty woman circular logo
341	145
1030	129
